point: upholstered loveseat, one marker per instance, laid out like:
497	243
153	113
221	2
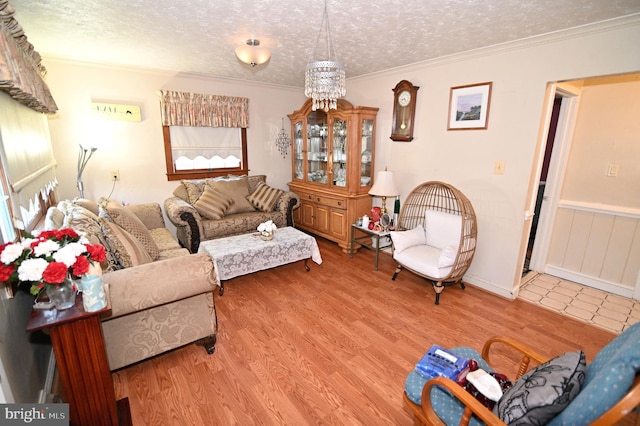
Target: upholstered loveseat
161	295
206	209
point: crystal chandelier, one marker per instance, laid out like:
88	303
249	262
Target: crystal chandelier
283	141
324	80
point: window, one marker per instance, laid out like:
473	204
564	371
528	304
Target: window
201	152
204	135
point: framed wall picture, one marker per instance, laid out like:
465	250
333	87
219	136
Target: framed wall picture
469	106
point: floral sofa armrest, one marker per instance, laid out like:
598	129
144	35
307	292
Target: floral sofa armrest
153	284
286	204
149	213
187	220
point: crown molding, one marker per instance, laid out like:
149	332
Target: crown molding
615	24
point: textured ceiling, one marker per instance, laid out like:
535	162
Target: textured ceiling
199	36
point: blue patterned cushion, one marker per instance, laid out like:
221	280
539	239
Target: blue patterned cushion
608	378
446	407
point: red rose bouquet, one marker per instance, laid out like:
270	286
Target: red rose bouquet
48	258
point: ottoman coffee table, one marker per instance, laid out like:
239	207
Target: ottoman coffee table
244	254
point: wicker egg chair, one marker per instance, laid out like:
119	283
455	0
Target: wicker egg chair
445	198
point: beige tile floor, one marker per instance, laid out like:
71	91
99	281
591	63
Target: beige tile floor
597	307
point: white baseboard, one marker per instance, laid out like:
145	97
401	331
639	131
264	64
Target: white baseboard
486	285
594	282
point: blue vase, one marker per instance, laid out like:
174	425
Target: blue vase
93	295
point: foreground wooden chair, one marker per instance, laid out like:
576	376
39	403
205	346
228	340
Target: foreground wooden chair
451	229
610	391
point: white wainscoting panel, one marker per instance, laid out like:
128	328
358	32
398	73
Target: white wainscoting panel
596	245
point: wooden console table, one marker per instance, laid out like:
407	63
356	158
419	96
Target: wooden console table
82	363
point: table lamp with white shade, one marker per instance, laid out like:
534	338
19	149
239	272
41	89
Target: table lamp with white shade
384	187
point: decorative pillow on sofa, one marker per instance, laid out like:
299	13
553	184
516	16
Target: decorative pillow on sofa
540	394
402	240
238	190
213	204
126	248
265	197
130	222
90	205
194	191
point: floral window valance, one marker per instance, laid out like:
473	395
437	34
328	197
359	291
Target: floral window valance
199	110
21	71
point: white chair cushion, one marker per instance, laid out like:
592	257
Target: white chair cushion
402	240
422	259
442	229
447	256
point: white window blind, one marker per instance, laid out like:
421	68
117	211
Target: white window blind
27	157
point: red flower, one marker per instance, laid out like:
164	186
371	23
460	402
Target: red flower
55	273
6	270
81	266
96	252
67	232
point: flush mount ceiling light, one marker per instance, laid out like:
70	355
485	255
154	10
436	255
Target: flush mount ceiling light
324	79
252	53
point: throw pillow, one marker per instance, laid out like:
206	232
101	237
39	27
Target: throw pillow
442	229
133	225
238	190
447	256
543	392
126	248
193	191
213	204
92	206
402	240
265	197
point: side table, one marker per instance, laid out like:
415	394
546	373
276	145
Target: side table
82	363
362	240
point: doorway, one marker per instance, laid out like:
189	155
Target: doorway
551	135
560	115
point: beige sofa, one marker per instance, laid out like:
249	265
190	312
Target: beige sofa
206	209
161	295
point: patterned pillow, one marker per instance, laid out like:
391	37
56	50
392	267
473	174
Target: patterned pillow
213	204
238	190
265	197
127	249
194	191
130	222
542	393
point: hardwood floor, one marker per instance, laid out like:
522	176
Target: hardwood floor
330	346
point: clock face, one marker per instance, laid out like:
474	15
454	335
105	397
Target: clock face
404	98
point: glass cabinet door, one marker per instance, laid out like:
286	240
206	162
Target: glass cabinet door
366	170
298	154
317	152
339	154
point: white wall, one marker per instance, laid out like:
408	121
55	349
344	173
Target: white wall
136	149
606	133
519	72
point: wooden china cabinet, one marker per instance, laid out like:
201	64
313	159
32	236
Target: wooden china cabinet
332	170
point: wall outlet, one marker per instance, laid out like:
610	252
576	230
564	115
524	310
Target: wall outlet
115	175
